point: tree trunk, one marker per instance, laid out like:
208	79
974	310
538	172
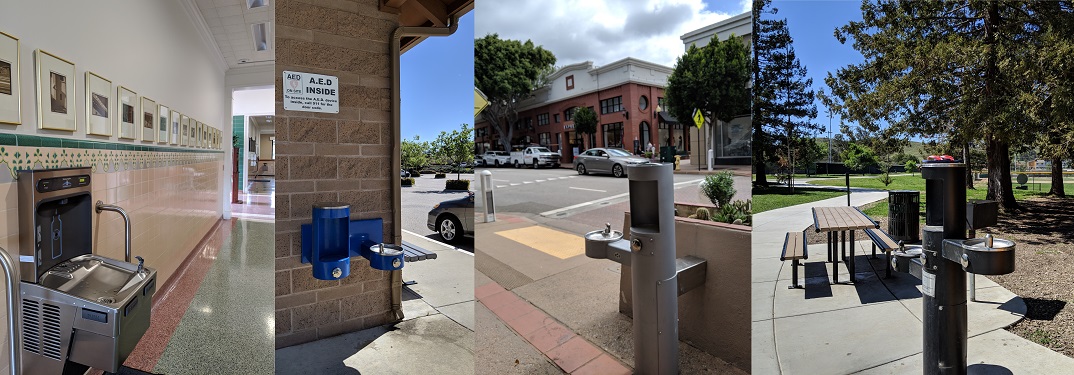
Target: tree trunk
758	155
999	174
1057	177
969	168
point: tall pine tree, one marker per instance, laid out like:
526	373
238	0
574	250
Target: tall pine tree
783	107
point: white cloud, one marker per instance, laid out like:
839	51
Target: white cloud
601	31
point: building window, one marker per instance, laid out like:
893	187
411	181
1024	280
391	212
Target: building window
643	129
570	82
661	105
611	105
643	103
556	117
613	135
542	119
568	115
544	139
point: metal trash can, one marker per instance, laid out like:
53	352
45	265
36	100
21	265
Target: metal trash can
904	209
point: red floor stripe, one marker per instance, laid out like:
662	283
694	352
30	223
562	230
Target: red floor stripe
175	295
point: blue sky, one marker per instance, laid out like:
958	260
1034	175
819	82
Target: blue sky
437	78
812	25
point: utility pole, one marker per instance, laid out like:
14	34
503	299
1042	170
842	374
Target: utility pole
828	166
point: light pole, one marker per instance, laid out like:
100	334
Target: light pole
828	166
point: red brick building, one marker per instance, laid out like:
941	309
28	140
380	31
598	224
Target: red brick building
627	96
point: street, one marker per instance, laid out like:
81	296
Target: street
578	204
417	200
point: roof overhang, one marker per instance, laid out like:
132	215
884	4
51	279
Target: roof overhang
424	13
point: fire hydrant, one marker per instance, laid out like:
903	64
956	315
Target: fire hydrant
677	162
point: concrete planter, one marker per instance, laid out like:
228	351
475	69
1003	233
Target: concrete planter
716	316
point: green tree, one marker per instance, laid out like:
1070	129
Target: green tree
1055	93
413	153
585	121
911	166
859	158
507	71
455	148
713	79
783	102
953	70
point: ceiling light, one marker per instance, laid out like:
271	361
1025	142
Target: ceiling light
256	3
260	37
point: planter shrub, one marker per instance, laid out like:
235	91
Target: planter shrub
409	181
440	175
719	188
457	185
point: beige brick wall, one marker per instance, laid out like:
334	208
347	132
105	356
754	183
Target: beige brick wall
332	157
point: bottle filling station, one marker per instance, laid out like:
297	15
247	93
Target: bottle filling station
946	256
72	309
658	277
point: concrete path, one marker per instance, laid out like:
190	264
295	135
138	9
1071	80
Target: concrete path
873	326
544	292
436	337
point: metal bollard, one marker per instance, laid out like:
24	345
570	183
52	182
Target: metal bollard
487	194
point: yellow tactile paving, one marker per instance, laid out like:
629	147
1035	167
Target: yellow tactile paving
549	241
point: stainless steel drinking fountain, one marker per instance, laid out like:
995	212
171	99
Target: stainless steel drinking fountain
78	310
946	256
658	277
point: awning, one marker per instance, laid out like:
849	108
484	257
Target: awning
667	117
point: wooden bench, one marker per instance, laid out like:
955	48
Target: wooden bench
794	249
413	253
884	242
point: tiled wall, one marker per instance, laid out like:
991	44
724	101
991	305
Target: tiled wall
171	197
332	157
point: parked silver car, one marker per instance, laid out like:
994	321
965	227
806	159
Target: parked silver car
606	160
453	219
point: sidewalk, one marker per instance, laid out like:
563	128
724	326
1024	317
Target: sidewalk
435	337
553	309
873	326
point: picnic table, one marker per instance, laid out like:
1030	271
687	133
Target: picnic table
836	222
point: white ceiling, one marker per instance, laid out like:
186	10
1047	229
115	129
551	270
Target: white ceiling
231	24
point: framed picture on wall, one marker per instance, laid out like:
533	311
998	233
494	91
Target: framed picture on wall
201	135
55	92
174	137
10	87
186	131
162	123
148	120
98	105
127	112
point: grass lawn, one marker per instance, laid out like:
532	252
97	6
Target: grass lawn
777	197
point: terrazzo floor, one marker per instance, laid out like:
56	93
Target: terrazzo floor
228	326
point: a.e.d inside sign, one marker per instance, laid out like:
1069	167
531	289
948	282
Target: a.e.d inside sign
310	92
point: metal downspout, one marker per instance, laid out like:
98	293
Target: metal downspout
397	188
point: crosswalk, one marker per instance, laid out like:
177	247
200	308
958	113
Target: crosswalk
534	181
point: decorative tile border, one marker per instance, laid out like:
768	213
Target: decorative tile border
18	158
8	139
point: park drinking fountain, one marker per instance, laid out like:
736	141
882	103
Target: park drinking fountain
946	257
658	277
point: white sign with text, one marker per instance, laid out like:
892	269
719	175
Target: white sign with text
310	92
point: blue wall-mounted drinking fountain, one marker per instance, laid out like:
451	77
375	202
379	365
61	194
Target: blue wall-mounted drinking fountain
329	242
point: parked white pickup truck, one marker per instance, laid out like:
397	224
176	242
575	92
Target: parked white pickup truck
494	158
535	156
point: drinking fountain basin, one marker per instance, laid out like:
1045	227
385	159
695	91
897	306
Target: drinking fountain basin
977	257
596	242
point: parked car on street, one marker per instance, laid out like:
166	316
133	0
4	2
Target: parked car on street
606	160
535	156
453	219
494	158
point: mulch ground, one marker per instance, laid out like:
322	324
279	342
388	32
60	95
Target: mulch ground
1043	231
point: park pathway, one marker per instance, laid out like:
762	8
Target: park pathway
873	326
